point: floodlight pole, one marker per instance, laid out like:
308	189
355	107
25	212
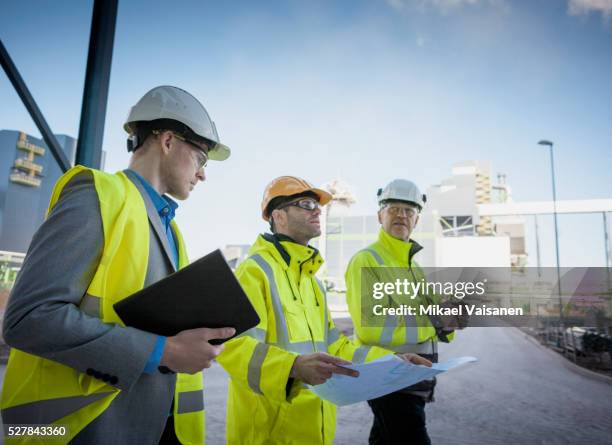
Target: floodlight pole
549	144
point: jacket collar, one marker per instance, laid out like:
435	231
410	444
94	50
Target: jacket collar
403	251
288	253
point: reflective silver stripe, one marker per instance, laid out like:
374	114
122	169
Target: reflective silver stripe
190	401
48	411
256	333
412	329
376	256
386	336
333	336
426	347
255	364
302	347
282	334
91	305
361	353
305	347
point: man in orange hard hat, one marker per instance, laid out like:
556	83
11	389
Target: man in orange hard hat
296	341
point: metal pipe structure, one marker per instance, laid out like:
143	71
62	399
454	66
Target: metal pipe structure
30	104
97	77
554	190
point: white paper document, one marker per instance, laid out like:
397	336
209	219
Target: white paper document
380	377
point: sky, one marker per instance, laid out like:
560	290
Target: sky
362	91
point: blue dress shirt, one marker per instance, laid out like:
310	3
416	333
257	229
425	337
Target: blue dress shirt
166	208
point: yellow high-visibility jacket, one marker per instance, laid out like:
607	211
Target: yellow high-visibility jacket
47	388
398	333
264	405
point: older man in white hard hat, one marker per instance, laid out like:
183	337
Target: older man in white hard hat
73	363
399	417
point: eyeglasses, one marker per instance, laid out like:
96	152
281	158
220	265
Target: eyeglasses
201	152
396	210
307	204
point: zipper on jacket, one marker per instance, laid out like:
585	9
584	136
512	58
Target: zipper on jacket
312	340
291	287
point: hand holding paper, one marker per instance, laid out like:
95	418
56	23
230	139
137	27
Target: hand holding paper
315	369
380	377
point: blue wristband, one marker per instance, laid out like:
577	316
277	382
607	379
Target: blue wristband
156	355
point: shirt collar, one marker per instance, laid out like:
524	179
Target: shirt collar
293	255
165	206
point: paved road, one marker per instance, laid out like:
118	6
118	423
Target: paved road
516	394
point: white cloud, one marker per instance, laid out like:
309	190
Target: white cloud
584	7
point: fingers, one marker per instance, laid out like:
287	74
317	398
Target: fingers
418	360
344	371
326	370
219	333
326	358
414	359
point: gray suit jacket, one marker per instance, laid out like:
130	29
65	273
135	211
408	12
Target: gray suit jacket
43	317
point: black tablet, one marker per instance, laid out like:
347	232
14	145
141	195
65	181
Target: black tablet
205	294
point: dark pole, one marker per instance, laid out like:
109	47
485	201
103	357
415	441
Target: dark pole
95	92
554	190
30	104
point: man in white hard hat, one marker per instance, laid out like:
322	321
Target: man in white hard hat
296	342
73	363
399	417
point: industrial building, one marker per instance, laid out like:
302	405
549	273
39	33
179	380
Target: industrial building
26	181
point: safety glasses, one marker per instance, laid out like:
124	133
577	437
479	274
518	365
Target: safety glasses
306	203
397	210
201	153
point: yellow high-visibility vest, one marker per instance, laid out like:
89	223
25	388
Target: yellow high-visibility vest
52	389
294	319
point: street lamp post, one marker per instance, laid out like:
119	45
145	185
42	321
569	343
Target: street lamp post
554	190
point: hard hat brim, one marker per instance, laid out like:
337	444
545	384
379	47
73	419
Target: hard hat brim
324	197
220	153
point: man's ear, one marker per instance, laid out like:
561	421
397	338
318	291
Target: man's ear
416	221
165	141
379	217
278	217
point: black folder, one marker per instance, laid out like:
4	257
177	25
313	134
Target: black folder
204	294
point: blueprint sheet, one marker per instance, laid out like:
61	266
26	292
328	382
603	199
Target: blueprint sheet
380	377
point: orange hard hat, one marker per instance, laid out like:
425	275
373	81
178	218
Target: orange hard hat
289	186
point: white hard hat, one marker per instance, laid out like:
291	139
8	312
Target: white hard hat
402	190
167	102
